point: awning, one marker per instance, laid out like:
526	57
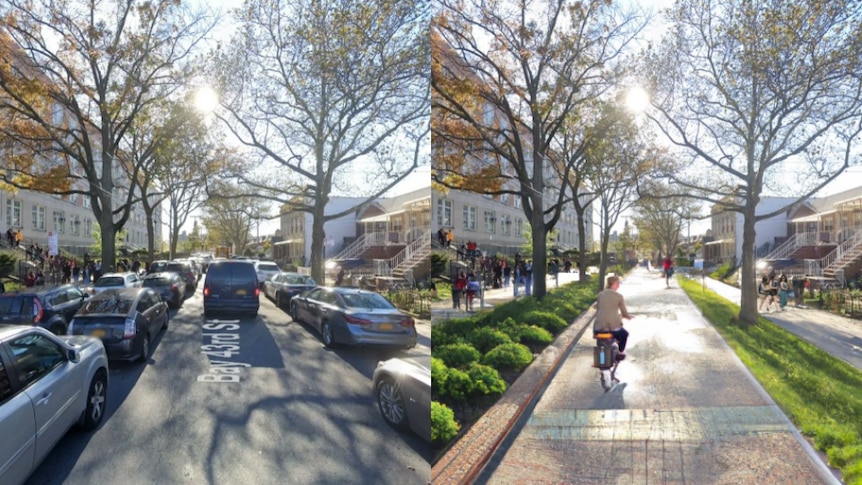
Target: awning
289	241
812	217
382	217
718	242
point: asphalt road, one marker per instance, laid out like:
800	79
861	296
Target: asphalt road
281	409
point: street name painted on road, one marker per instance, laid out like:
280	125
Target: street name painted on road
221	343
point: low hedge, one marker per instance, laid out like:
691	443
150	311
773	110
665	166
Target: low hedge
443	424
469	353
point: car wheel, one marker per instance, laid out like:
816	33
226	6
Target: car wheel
167	319
58	329
328	335
145	349
391	403
95	408
279	303
294	313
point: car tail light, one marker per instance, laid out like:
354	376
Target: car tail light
257	292
129	329
37	311
174	287
206	291
408	323
357	321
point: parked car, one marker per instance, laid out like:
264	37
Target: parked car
49	307
48	384
265	271
169	285
197	268
354	317
230	286
126	320
158	266
184	269
113	281
403	391
284	286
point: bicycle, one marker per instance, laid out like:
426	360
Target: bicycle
605	358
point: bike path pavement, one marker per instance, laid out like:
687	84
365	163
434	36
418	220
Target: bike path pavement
686	411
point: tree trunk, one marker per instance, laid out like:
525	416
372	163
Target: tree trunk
317	237
108	235
582	247
748	283
540	248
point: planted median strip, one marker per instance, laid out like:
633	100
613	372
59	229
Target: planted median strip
821	394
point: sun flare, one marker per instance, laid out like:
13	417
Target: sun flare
206	100
637	99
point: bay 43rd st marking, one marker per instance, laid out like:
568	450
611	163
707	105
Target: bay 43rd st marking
221	345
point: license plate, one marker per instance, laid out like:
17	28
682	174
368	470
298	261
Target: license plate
385	326
98	333
241	292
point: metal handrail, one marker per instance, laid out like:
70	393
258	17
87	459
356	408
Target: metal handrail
413	247
838	253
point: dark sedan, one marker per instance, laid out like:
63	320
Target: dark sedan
126	320
169	285
354	317
284	286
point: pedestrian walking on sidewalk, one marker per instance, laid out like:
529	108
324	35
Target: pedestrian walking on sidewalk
667	267
763	294
783	289
458	286
610	311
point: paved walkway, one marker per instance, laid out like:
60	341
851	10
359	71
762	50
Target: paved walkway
686	411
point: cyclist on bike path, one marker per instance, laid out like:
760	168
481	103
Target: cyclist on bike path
610	311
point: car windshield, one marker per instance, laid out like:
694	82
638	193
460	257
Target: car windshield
110	281
300	280
153	282
267	267
176	267
114	304
10	305
366	300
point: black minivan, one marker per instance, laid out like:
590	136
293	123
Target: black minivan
50	307
231	287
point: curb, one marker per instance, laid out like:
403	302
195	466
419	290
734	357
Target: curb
466	458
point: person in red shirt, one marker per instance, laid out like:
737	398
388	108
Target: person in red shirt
667	267
458	287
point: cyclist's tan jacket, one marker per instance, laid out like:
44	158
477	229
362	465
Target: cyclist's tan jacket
610	306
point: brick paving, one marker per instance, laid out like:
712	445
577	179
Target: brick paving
686	412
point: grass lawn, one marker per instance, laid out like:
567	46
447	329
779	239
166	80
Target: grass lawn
821	394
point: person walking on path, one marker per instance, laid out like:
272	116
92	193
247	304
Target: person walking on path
783	289
19	238
763	294
450	236
667	268
610	311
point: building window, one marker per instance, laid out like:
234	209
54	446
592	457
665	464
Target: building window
39	216
88	226
490	222
506	223
397	225
60	222
76	226
87	202
444	213
519	227
13	213
469	218
517	201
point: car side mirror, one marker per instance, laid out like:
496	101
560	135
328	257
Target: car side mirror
73	355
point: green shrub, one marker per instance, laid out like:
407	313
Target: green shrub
486	338
457	355
511	328
547	320
443	424
486	379
439	373
722	271
452	331
439	262
458	385
8	263
532	334
508	357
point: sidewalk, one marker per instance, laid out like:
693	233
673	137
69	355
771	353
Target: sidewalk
491	297
705	421
840	336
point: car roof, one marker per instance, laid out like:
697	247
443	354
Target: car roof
36	290
117	274
7	331
128	292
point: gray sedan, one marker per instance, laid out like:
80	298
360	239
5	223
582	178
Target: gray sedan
48	383
354	317
403	391
284	286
